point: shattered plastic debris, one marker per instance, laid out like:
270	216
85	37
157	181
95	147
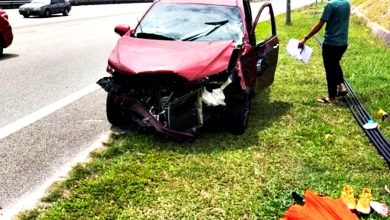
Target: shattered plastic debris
370	124
380	208
216	97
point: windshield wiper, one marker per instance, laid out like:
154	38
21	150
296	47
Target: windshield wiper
153	36
217	22
214	26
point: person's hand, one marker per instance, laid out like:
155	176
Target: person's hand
301	44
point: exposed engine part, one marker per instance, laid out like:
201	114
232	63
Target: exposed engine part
137	107
183	113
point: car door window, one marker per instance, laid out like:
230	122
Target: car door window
264	25
55	6
267	46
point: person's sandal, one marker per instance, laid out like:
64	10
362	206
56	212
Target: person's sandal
363	203
342	90
348	197
342	93
325	100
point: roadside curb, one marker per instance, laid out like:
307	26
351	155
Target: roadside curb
376	29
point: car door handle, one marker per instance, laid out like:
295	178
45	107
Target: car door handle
276	46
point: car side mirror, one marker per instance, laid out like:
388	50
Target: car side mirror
122	29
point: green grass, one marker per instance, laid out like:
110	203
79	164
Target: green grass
292	144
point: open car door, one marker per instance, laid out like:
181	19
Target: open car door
266	47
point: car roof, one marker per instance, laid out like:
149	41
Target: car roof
208	2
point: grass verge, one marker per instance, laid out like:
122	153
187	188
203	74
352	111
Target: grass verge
292	144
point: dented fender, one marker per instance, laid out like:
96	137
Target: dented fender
242	68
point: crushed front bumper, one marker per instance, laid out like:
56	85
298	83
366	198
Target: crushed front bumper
137	107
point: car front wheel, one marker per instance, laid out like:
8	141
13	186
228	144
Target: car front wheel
237	114
47	13
66	12
114	112
26	15
1	50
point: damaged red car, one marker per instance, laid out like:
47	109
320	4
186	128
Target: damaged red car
188	61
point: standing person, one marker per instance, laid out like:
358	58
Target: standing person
336	16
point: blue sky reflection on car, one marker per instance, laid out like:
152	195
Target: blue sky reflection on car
192	22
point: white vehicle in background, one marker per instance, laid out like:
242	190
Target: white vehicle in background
45	8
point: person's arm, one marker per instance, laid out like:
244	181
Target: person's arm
314	30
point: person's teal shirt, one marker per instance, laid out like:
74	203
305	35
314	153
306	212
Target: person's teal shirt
336	15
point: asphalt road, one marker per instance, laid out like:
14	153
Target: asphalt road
51	108
52	113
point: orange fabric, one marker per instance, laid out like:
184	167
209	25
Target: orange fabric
320	208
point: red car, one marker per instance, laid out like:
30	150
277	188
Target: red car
188	61
6	35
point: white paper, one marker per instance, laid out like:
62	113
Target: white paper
297	53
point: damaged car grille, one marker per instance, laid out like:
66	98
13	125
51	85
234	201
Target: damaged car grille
171	100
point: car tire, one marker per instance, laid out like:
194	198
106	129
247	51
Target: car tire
114	112
237	115
65	12
1	50
47	13
26	15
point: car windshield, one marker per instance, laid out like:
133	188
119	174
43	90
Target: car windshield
191	22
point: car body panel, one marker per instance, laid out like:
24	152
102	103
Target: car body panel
267	51
190	60
6	35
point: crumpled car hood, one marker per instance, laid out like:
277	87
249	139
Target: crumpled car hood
191	60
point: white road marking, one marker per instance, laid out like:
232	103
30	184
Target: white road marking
31	199
35	116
